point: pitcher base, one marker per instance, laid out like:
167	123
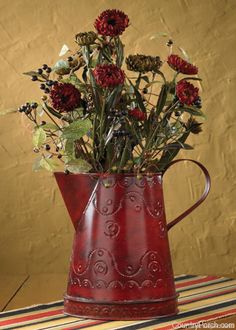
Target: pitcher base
120	310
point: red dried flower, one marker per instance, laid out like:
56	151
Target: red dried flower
137	114
186	92
109	75
111	22
65	97
180	65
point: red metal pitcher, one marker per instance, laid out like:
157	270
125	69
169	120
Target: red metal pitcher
120	265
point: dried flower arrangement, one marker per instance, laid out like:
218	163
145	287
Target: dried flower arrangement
101	120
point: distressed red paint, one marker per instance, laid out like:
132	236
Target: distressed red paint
121	265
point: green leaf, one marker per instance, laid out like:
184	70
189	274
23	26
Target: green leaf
162	99
74	80
36	166
112	97
50	126
78	166
169	99
95	90
93	62
69	150
139	98
40	110
39	137
52	111
169	155
61	64
76	130
194	111
106	53
120	51
177	145
187	146
48	164
86	55
125	156
35	73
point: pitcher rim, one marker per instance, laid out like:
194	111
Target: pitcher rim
99	174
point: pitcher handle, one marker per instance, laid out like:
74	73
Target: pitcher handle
200	200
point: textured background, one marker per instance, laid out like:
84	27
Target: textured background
36	234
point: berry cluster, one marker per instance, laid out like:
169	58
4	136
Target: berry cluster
46	87
41	72
117	114
42	75
28	107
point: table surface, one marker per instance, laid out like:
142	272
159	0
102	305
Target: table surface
20	291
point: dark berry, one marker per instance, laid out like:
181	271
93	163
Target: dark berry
177	113
40	71
34	105
42	86
47	147
66	172
50	82
124	113
28	110
169	43
145	90
47	90
36	150
44	66
48	70
59	156
70	59
57	149
34	78
43	122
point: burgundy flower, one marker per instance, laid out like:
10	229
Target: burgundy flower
65	97
109	75
180	65
111	22
186	92
137	114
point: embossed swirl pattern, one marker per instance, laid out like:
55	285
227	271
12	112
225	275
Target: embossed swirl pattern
149	260
136	200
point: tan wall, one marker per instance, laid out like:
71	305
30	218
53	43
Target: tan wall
35	233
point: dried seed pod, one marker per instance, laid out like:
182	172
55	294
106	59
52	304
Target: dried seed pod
85	38
143	63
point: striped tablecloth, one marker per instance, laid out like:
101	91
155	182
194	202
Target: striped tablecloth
201	298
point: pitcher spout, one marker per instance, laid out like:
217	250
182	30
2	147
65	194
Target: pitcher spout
76	191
